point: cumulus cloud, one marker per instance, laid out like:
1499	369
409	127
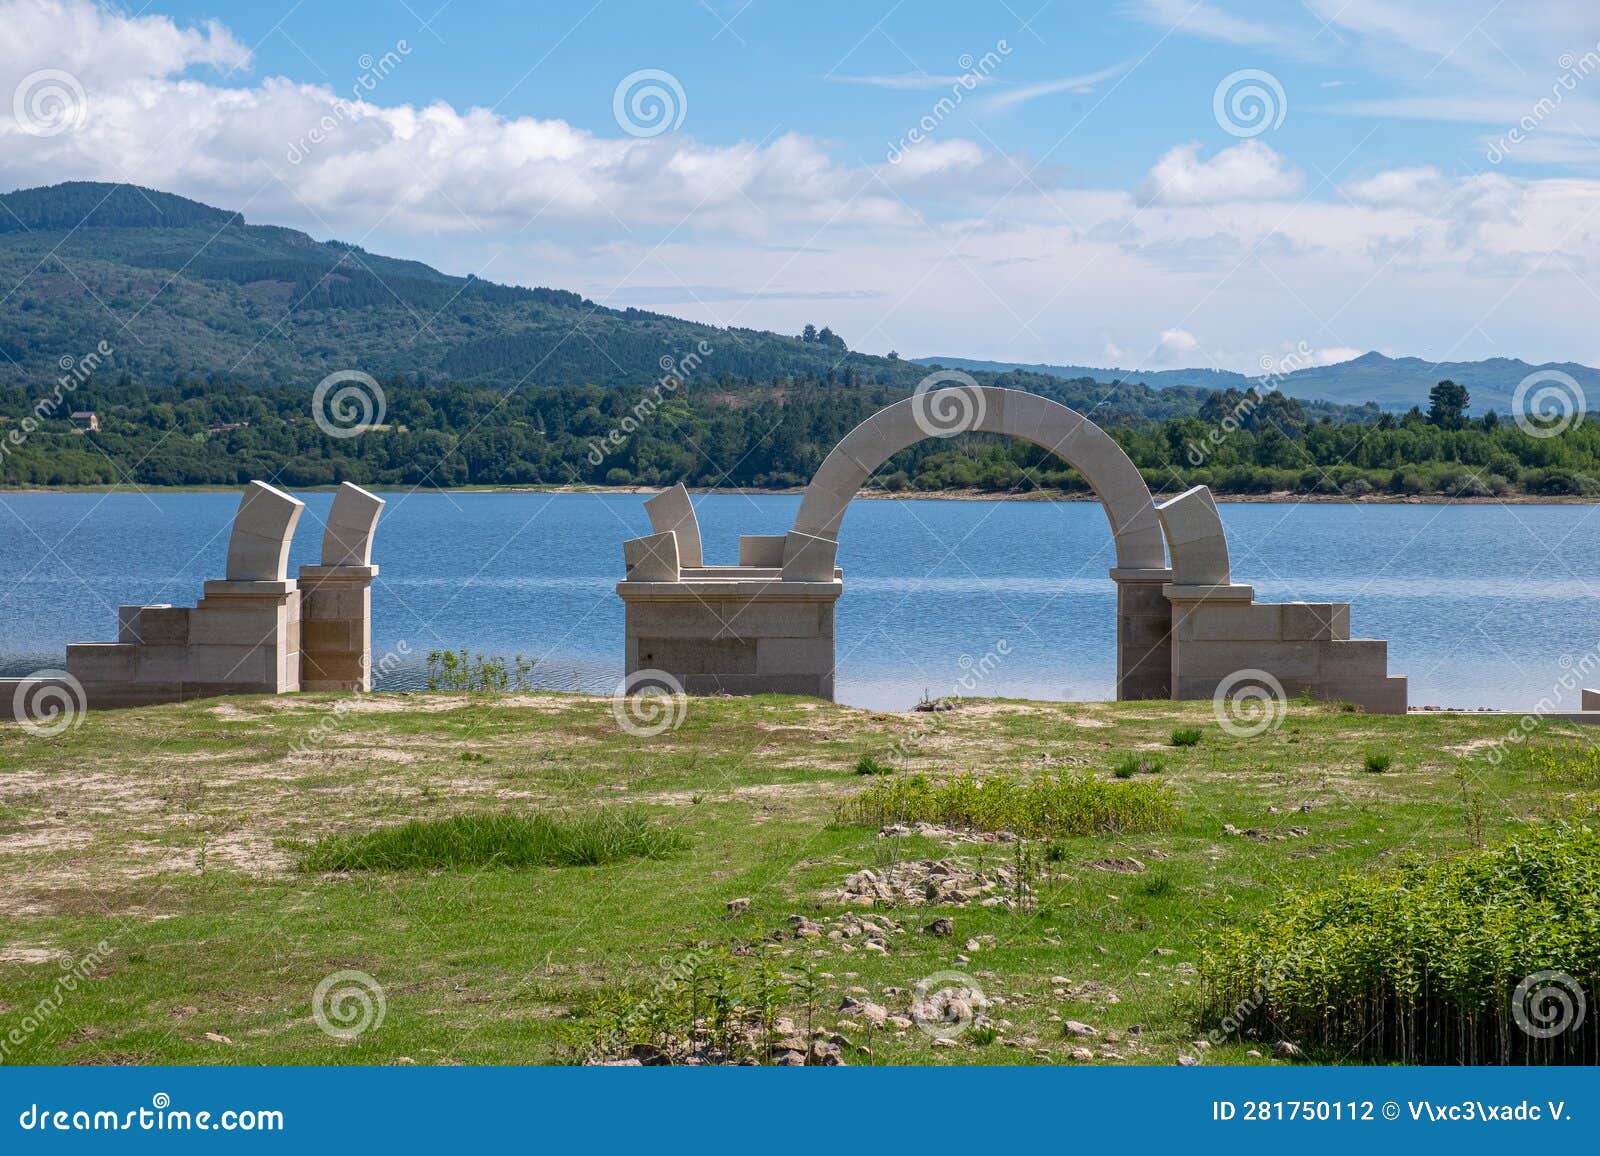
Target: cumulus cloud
1249	171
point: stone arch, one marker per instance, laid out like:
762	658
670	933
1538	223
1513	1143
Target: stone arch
941	413
1144	616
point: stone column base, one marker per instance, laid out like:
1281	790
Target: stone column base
336	627
1144	634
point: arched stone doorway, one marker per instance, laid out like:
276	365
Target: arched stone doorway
1184	630
1144	619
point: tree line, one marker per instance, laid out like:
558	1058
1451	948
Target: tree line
769	435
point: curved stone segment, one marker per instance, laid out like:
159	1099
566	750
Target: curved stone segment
347	538
258	551
809	559
1195	536
672	511
652	559
1048	424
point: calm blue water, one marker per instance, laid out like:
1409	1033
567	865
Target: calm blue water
1481	605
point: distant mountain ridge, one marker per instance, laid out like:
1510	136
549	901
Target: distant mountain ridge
1395	383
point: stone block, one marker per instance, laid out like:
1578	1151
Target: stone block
812	685
1354	658
1377	695
809	559
678	619
262	529
333	671
352	521
1283	660
1590	699
103	661
794	655
686	656
652	559
1229	622
224	665
236	623
164	664
672	511
762	550
1316	621
340	635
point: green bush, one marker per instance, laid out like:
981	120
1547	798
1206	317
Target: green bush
1421	965
1377	763
1138	765
867	765
1069	804
495	840
1186	737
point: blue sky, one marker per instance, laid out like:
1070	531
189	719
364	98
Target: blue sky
1091	197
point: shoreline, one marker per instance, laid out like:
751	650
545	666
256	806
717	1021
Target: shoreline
1277	497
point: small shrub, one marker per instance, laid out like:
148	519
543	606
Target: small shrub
1158	885
1046	807
1138	765
1186	737
496	840
867	765
458	670
1376	763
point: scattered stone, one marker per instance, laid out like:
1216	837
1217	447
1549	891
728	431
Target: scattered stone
941	926
941	1042
1075	1028
1188	1062
1284	1050
1128	866
932	882
738	906
1082	1055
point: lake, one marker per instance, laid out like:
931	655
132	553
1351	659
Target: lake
1483	605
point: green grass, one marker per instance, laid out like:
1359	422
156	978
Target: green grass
868	765
1138	765
171	833
1377	763
1067	804
494	840
1186	737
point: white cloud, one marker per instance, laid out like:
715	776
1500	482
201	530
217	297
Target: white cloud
1205	20
1085	83
1248	171
1416	186
904	81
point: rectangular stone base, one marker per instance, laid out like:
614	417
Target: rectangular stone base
741	634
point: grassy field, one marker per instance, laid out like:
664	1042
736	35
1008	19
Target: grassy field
162	859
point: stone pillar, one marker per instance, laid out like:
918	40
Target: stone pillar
1144	634
244	638
336	627
337	598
